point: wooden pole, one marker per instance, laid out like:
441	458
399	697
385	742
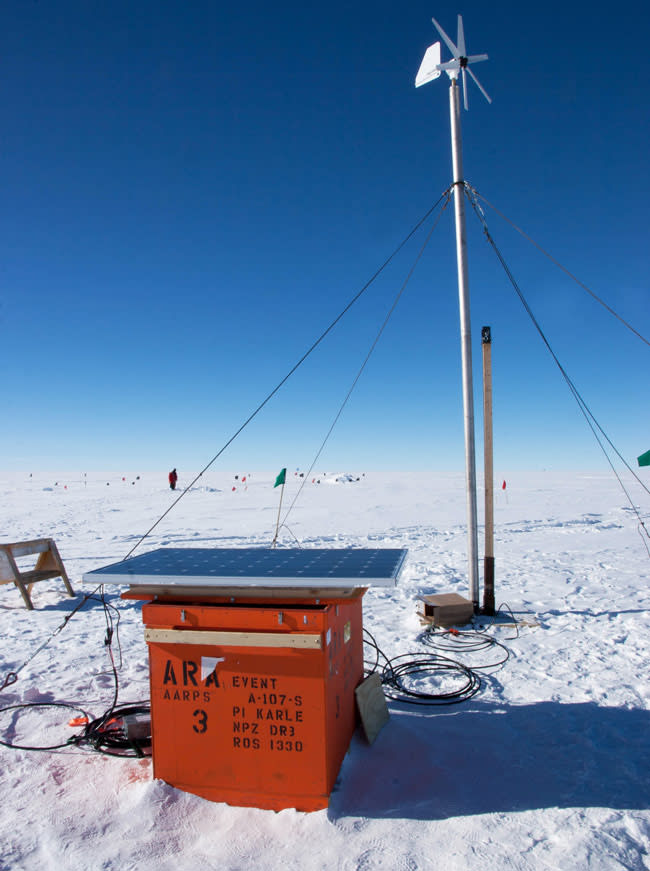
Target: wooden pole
488	562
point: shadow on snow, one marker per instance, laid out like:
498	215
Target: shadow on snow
498	758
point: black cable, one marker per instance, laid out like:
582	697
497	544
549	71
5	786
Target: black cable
492	620
99	725
291	371
109	734
464	642
106	734
398	673
40	705
369	641
512	618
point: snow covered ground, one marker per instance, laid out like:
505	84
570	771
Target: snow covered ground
547	767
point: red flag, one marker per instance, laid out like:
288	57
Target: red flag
503	486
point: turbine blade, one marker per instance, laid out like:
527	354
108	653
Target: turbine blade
464	88
479	85
461	37
475	58
452	48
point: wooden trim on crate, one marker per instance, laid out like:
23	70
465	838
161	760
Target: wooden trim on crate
223	595
301	641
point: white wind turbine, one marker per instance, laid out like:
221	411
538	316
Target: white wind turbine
430	69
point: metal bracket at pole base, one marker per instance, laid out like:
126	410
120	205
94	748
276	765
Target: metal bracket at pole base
488	585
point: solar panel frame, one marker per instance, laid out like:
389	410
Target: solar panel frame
256	567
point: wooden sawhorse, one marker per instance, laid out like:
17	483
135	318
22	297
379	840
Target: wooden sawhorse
48	565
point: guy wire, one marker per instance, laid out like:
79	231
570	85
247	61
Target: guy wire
584	408
368	355
12	676
293	369
557	263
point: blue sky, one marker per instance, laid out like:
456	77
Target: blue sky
192	193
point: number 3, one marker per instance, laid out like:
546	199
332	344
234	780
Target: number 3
202	721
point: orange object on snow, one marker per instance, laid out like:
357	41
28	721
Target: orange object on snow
253	703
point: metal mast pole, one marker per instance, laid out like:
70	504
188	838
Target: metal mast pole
465	339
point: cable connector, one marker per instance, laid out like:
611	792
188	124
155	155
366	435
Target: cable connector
11	678
136	727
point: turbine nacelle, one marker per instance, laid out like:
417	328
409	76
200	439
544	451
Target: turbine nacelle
430	68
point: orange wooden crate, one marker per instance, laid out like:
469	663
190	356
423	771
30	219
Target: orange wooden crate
254	705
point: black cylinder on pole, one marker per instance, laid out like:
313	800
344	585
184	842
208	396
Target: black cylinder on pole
488	585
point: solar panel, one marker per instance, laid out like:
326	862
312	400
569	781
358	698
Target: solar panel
256	566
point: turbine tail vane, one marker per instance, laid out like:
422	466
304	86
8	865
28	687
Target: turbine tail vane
430	67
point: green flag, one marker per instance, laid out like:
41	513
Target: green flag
644	459
282	477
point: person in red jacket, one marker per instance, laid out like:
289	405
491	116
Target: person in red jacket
173	478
